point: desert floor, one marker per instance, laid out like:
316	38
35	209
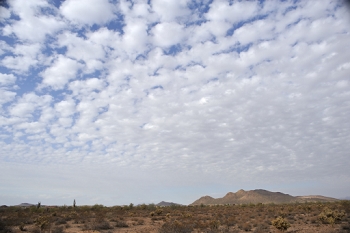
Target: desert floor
296	217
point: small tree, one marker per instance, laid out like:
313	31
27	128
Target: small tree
281	223
38	205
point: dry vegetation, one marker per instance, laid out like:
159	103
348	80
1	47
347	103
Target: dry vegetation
305	217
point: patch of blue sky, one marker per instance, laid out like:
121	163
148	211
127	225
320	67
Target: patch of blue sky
190	64
48	11
155	73
57	95
116	24
27	83
81	31
11	40
96	74
102	110
173	50
212	39
211	80
36	115
199	7
56	3
5	70
50	50
140	57
238	25
295	22
12	18
150	27
197	22
238	48
6	137
157	87
288	9
4	4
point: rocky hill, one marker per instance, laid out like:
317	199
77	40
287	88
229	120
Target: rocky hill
164	203
25	205
259	196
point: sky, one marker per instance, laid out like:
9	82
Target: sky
118	102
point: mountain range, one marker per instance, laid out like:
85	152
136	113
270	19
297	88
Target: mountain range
259	196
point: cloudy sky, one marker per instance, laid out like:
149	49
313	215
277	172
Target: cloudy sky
114	102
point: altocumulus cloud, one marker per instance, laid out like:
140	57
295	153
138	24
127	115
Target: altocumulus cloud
115	102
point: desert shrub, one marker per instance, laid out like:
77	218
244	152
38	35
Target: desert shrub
159	211
151	206
328	216
187	215
43	222
104	225
3	227
280	223
60	221
176	227
121	224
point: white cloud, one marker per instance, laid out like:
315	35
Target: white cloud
222	11
28	103
4	47
60	72
7	79
168	10
258	30
167	34
88	12
88	89
65	108
135	35
79	48
24	56
32	20
4	13
6	96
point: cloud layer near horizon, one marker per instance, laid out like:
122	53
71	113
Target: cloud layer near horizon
186	96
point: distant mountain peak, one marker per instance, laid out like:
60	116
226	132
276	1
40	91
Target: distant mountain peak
25	204
164	203
258	196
